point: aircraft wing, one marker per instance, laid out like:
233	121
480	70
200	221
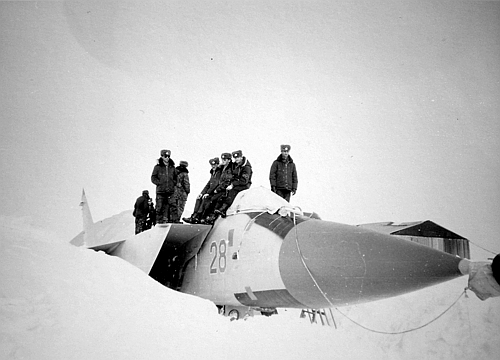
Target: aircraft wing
116	236
143	250
108	231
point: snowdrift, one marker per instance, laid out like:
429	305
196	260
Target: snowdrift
58	301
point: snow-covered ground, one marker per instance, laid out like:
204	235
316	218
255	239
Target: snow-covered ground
58	301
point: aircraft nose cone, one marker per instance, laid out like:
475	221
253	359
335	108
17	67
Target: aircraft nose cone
324	264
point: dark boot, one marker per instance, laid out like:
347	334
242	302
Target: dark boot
192	219
221	212
218	212
209	220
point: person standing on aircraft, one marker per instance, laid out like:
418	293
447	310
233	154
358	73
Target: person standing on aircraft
241	180
182	189
283	174
203	199
141	209
164	176
151	218
220	192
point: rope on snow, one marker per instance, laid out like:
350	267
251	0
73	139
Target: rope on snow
409	330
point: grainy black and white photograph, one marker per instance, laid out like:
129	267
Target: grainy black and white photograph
296	179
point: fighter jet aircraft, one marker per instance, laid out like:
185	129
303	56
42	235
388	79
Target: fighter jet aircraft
267	254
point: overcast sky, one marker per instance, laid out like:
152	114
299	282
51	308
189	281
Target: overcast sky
391	109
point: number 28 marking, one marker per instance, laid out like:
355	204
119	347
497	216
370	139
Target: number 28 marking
219	252
219	260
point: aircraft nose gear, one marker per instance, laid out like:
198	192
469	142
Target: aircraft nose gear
235	312
325	315
234	315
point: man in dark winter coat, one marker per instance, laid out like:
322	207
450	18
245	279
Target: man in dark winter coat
151	218
283	174
219	193
141	210
241	180
164	176
203	199
182	189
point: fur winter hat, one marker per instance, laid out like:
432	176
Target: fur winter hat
237	154
285	147
165	152
214	161
225	156
183	163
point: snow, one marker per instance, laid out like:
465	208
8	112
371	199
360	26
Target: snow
58	301
251	200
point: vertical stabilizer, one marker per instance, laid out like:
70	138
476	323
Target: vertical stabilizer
87	218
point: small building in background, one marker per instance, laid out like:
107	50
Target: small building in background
426	233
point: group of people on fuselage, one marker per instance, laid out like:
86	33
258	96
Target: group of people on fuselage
227	179
172	188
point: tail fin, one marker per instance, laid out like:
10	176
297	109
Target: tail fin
88	222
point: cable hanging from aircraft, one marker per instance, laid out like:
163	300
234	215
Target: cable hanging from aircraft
409	330
464	292
304	262
479	246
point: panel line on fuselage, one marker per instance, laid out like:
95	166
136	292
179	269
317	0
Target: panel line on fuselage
280	225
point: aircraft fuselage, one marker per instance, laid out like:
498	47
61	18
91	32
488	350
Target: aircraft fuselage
266	260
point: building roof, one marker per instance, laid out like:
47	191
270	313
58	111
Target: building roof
425	228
